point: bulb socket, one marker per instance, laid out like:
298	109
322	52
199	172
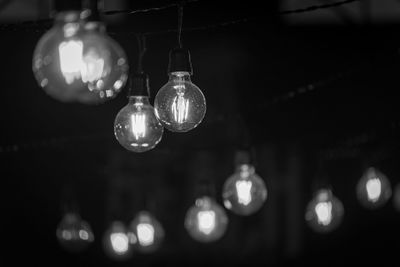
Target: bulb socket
179	61
139	85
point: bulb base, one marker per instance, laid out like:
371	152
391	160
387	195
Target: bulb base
179	61
139	85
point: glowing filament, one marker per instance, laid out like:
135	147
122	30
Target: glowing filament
324	213
138	125
206	221
71	60
243	189
180	109
119	243
74	65
145	234
83	234
374	189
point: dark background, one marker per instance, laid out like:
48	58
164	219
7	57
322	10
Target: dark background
347	119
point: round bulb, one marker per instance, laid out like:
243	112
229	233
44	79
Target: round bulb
77	62
206	221
148	231
244	192
73	233
116	242
180	105
136	126
373	189
324	212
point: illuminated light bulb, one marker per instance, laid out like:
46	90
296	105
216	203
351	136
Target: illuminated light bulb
75	61
244	192
180	105
73	233
325	212
206	221
117	241
136	126
148	231
373	189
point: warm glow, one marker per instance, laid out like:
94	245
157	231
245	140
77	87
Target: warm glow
66	234
75	65
119	243
83	234
138	125
145	234
243	189
374	189
206	221
324	212
180	108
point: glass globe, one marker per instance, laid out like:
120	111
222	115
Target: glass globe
74	58
396	197
116	241
136	126
148	231
206	221
373	189
73	233
244	192
325	212
180	105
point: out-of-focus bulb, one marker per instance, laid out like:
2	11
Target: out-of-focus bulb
324	212
148	231
180	105
373	189
75	61
244	192
206	221
116	241
136	126
73	233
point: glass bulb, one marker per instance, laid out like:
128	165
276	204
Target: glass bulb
324	212
116	241
206	221
373	189
148	231
136	126
73	233
244	192
180	105
74	58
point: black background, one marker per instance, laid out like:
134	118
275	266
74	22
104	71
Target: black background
48	146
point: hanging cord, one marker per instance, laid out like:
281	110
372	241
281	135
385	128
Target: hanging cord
141	39
180	23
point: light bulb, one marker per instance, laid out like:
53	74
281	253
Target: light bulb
148	231
73	233
324	212
244	192
373	189
206	221
75	57
117	241
136	126
180	105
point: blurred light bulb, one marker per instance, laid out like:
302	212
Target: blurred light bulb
148	231
116	242
76	57
73	233
180	105
324	212
136	126
373	189
244	192
206	221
